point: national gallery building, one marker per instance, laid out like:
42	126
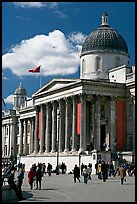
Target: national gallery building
78	120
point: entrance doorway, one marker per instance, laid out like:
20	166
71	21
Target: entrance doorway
103	136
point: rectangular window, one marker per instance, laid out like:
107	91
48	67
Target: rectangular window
6	130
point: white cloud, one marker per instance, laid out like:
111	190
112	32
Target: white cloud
36	4
55	53
50	5
4	77
9	99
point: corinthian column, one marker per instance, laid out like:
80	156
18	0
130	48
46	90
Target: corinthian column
25	137
42	128
83	124
21	137
54	126
36	131
74	124
61	126
32	135
48	127
112	123
67	125
97	130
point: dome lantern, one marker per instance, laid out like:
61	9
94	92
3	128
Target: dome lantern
104	19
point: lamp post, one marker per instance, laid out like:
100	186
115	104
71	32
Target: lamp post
57	143
11	158
115	144
79	159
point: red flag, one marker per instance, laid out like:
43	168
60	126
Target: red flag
37	69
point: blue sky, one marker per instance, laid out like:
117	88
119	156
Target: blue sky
51	34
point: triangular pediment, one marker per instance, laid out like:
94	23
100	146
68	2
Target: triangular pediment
54	85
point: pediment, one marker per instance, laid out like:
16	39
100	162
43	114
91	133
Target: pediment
54	85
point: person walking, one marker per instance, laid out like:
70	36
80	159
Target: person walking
49	169
121	173
38	177
31	176
85	174
89	171
76	173
104	170
82	167
20	178
99	173
12	184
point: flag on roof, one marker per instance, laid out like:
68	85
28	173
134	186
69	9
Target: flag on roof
37	69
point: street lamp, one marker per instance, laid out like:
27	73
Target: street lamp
114	154
11	158
57	143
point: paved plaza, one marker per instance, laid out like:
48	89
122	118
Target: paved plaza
61	188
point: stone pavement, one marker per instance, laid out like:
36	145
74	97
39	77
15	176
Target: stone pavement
61	188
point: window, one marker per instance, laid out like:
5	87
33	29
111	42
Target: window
83	66
6	152
102	111
98	63
17	102
28	128
6	130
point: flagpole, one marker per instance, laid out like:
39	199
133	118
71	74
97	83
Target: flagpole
40	78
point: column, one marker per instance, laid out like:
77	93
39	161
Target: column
67	125
5	153
25	137
97	128
21	136
93	122
61	125
9	142
32	135
48	126
112	123
42	130
74	124
3	140
14	138
54	126
36	131
83	123
133	146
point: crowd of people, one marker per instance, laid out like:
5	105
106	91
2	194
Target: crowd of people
35	174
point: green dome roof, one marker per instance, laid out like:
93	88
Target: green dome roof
104	39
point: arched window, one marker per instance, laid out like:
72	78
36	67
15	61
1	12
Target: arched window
98	63
117	61
83	66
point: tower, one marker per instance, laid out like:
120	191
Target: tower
20	96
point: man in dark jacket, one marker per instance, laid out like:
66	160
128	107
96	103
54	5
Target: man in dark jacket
104	170
39	176
76	173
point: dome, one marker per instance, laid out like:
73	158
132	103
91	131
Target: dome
104	39
20	90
